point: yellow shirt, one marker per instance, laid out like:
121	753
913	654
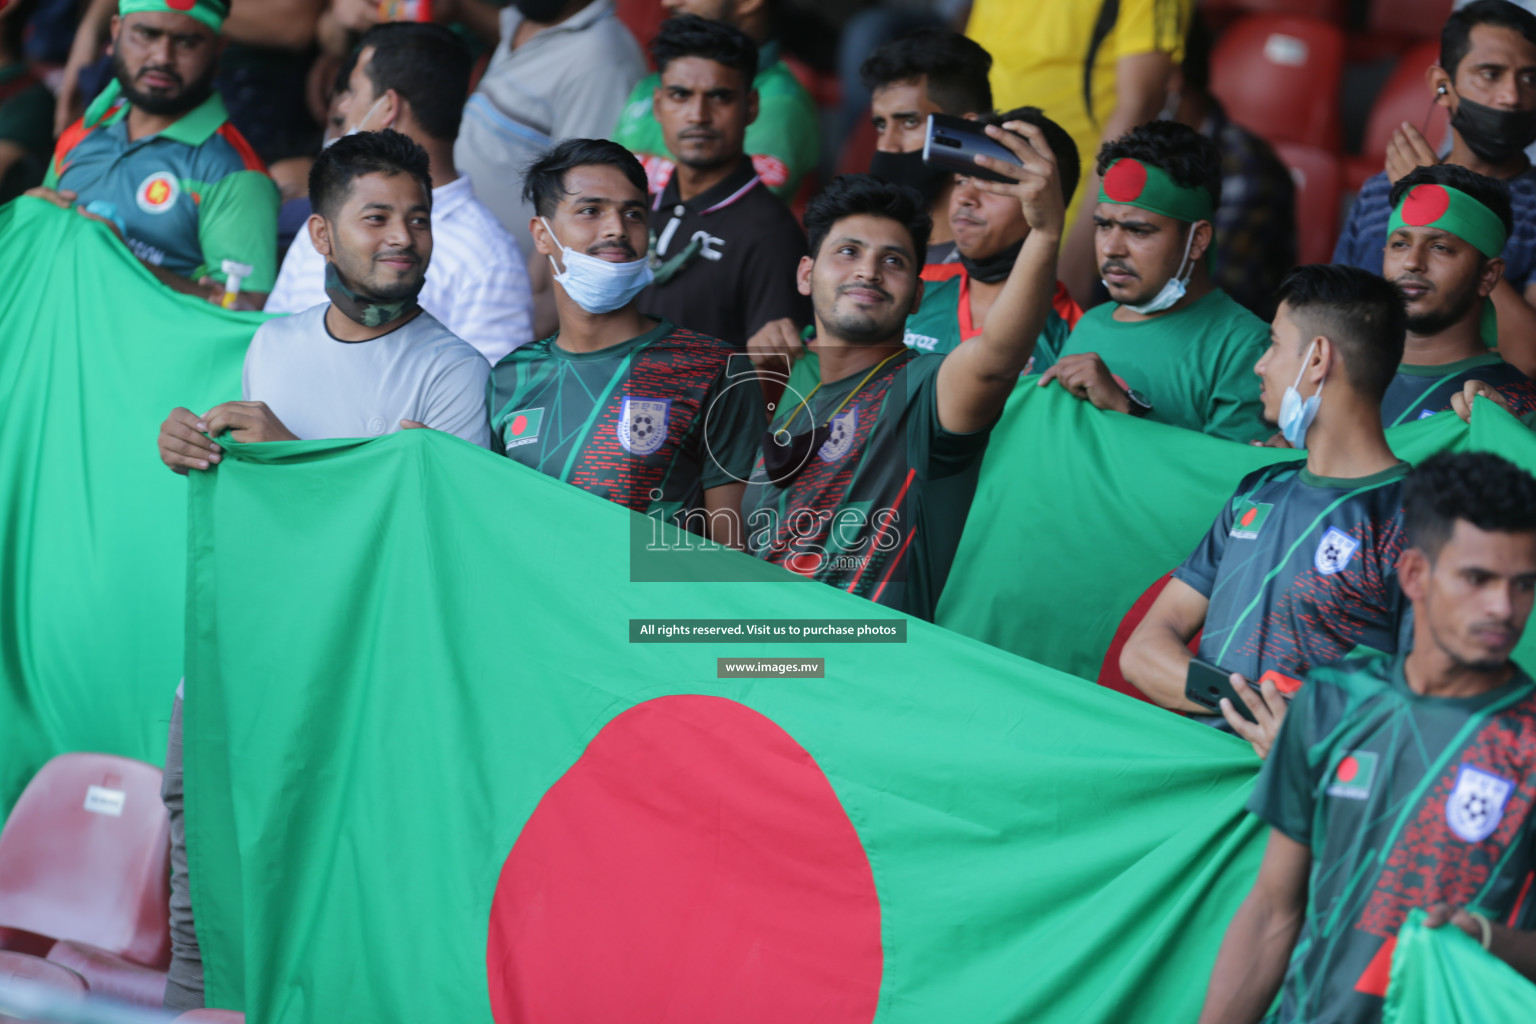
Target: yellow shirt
1039	48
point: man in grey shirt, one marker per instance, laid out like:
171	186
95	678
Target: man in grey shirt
369	362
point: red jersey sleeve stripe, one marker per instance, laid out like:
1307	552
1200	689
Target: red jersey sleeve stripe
67	142
230	134
1065	308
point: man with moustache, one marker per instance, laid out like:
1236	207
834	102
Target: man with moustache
1171	346
1444	241
725	245
865	481
1299	568
156	158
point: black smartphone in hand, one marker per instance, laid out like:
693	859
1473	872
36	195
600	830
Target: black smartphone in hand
1206	684
953	143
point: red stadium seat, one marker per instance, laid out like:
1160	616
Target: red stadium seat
642	18
859	148
1280	77
1222	12
1392	26
109	975
1405	97
210	1017
85	855
1318	175
59	980
1109	672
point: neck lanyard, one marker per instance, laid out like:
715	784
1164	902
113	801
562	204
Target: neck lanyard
805	401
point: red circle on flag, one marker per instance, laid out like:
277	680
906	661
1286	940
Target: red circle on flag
1425	205
1348	769
805	563
519	424
1249	517
1124	181
694	864
181	5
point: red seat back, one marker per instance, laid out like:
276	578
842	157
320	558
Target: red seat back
33	970
1109	672
1319	177
1280	77
1420	19
642	18
85	855
1224	11
1405	97
859	149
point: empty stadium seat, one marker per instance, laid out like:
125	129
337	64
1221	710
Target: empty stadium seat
1279	77
1222	12
1404	97
1319	176
109	975
1109	672
210	1017
85	855
58	979
1392	26
642	18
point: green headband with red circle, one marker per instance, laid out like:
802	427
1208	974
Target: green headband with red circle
1136	183
1454	212
210	12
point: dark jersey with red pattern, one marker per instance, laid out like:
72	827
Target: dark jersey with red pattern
878	509
1300	570
1404	801
1420	391
649	424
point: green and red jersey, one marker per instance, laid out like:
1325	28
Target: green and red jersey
1404	801
188	198
944	320
650	424
1420	391
1300	570
879	508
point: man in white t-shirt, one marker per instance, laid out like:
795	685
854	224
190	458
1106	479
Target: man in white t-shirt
371	361
413	77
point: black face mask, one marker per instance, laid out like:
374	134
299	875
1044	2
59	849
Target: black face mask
368	310
994	268
908	169
1494	135
540	10
786	455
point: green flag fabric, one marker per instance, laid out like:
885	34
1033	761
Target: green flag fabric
1442	976
93	354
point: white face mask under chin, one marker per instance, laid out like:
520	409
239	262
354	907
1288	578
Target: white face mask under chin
596	285
1296	413
1175	287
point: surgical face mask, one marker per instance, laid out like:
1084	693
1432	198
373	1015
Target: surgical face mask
1296	413
358	126
1174	288
1494	135
597	285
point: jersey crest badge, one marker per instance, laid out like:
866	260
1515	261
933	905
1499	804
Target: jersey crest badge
1354	774
1250	519
1334	551
844	425
158	192
642	426
1476	804
522	427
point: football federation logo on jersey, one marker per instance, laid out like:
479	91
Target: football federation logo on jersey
1354	774
1476	805
1334	551
522	427
1250	519
158	192
642	426
844	425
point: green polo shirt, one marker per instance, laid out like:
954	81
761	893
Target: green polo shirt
187	199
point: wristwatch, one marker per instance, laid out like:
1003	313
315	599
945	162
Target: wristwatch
1139	405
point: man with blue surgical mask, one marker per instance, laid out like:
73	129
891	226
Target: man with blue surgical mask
630	407
1170	346
1300	567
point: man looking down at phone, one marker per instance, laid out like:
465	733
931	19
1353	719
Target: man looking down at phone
1299	568
866	479
1403	781
1444	241
989	232
1172	346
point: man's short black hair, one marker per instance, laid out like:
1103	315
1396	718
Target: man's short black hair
954	66
1186	156
1360	312
1491	192
350	157
1486	490
1456	36
850	195
427	65
689	35
544	180
1069	166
